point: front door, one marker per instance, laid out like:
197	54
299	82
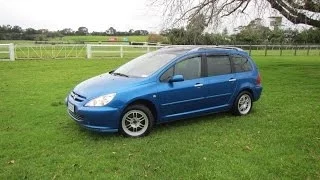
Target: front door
178	99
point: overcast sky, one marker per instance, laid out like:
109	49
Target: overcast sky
96	15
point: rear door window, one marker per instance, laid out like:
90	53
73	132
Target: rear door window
218	65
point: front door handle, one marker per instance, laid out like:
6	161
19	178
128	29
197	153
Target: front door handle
198	85
232	80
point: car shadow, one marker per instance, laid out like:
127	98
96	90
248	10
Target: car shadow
218	118
196	120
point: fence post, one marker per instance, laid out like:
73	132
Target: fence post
295	50
250	49
308	50
11	52
148	49
266	50
121	51
281	49
89	52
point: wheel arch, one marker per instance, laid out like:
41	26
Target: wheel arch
248	90
234	105
149	104
236	94
246	86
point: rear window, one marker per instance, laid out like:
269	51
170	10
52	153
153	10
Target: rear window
241	64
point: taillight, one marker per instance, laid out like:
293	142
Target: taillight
259	79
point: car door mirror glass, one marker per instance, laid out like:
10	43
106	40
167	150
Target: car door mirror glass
176	78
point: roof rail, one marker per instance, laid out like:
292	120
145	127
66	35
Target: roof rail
221	47
199	47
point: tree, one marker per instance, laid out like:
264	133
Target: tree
254	33
155	38
131	31
82	31
67	31
176	36
31	31
296	11
16	29
111	31
195	28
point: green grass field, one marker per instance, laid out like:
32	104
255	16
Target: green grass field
16	42
78	39
100	38
280	139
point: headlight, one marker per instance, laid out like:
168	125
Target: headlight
101	101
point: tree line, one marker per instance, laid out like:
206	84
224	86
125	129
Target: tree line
8	32
194	33
253	33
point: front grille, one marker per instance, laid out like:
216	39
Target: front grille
76	116
77	97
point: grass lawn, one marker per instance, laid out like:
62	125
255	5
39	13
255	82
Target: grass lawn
77	39
101	38
280	139
16	42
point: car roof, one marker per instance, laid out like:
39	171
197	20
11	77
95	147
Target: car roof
189	49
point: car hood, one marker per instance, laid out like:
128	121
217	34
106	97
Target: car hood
105	84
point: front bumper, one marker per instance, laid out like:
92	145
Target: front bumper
100	119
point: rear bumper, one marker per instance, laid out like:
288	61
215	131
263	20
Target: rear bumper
257	93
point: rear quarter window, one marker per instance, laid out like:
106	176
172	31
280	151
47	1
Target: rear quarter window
241	64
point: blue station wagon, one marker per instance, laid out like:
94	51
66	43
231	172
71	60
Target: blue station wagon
172	83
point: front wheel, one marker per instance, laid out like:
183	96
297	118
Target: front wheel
136	121
243	104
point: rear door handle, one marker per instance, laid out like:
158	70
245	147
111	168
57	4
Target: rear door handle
198	85
232	80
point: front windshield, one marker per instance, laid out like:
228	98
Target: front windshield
147	64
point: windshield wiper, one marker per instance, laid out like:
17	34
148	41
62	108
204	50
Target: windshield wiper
120	74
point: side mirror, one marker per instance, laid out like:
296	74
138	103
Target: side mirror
176	78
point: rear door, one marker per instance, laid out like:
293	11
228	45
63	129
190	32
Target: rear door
220	81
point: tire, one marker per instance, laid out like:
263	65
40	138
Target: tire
243	104
136	121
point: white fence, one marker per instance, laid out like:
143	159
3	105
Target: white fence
96	50
69	51
281	49
105	50
48	51
7	52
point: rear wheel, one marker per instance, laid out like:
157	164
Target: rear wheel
243	104
136	121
